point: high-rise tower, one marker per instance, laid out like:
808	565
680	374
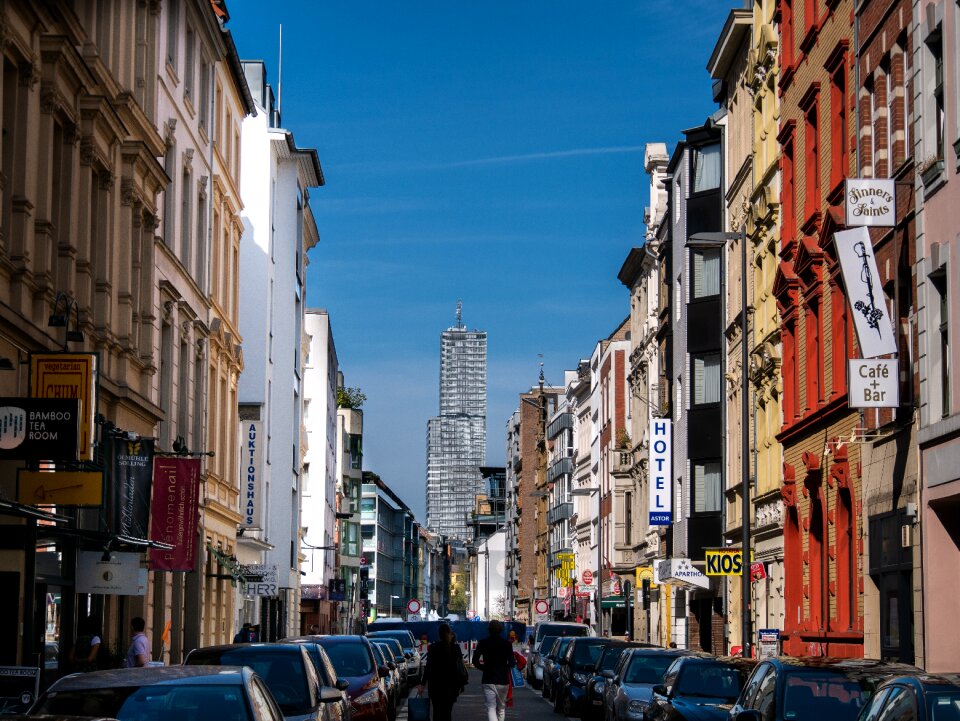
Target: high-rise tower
457	438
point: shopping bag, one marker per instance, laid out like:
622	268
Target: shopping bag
517	677
418	708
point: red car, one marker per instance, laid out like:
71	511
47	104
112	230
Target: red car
354	662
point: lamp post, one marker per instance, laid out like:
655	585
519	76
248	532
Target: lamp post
391	604
599	575
719	240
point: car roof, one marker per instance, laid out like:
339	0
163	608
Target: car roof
851	667
273	647
158	675
342	638
929	681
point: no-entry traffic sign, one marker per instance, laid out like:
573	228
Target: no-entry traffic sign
413	606
587	577
541	607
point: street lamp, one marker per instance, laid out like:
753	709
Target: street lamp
391	604
719	240
599	577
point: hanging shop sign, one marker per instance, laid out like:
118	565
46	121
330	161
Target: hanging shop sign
769	642
661	442
870	201
69	376
252	443
60	488
681	572
19	687
176	491
723	561
758	572
874	383
113	574
39	429
870	317
128	503
645	573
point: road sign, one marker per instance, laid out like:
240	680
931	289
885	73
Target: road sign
587	577
413	606
413	617
363	562
541	607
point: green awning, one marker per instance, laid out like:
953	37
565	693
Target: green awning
613	602
229	563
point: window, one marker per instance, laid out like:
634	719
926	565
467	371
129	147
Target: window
809	15
935	48
628	518
204	108
789	187
705	272
901	705
706	379
173	31
811	142
706	487
874	124
890	93
939	282
186	221
839	152
189	69
706	168
814	353
786	33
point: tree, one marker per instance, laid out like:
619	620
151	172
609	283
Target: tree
500	607
458	601
350	398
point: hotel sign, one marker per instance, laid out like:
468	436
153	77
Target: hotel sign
870	201
661	484
252	442
859	267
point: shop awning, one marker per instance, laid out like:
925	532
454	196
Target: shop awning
613	602
231	564
681	572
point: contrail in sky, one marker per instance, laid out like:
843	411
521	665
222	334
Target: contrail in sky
503	159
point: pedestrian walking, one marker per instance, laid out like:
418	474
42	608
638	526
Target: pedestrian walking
139	652
443	676
83	653
245	634
494	657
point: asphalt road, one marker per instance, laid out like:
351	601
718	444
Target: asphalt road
527	704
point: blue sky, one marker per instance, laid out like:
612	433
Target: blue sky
491	152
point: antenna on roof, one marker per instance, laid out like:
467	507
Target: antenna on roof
459	313
280	71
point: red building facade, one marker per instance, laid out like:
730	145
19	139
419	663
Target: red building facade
823	540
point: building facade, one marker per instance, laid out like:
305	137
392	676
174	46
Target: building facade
457	438
349	450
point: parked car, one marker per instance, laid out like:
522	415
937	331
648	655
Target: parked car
557	628
576	667
184	693
551	667
286	669
392	679
415	662
326	672
630	685
536	660
920	698
699	689
353	659
592	707
796	689
400	658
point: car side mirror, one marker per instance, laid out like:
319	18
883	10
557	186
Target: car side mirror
342	685
749	714
407	655
660	689
607	675
383	671
392	666
329	694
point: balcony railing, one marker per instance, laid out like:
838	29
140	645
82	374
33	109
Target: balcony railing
562	467
559	424
560	512
622	462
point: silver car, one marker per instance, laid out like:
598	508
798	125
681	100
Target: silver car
630	688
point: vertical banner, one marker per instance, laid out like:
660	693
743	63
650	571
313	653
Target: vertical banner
69	375
252	441
868	306
660	470
131	474
176	510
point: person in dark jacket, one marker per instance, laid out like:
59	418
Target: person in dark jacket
442	675
494	657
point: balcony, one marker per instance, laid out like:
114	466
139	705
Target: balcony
622	462
560	512
562	467
559	424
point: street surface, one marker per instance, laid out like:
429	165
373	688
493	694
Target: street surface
528	704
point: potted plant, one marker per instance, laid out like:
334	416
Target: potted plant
931	168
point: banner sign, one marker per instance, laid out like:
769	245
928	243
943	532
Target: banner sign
870	201
661	484
39	429
252	442
119	576
176	510
128	502
874	383
758	572
69	375
859	267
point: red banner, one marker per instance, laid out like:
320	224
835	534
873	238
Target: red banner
175	512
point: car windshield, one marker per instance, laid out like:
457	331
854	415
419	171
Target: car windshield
402	636
608	661
284	673
820	694
647	668
561	647
709	679
193	702
546	644
349	659
560	629
944	706
586	654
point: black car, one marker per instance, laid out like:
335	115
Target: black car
551	669
797	689
695	688
920	698
287	670
592	707
184	693
326	672
536	660
392	679
575	669
629	687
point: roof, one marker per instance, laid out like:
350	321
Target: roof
736	27
125	677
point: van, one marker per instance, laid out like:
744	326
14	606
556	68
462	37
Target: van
558	628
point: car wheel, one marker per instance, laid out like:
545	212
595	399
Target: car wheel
558	701
567	708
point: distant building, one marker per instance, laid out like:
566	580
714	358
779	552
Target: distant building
457	438
489	510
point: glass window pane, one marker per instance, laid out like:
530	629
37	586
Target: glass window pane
706	168
706	379
705	271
